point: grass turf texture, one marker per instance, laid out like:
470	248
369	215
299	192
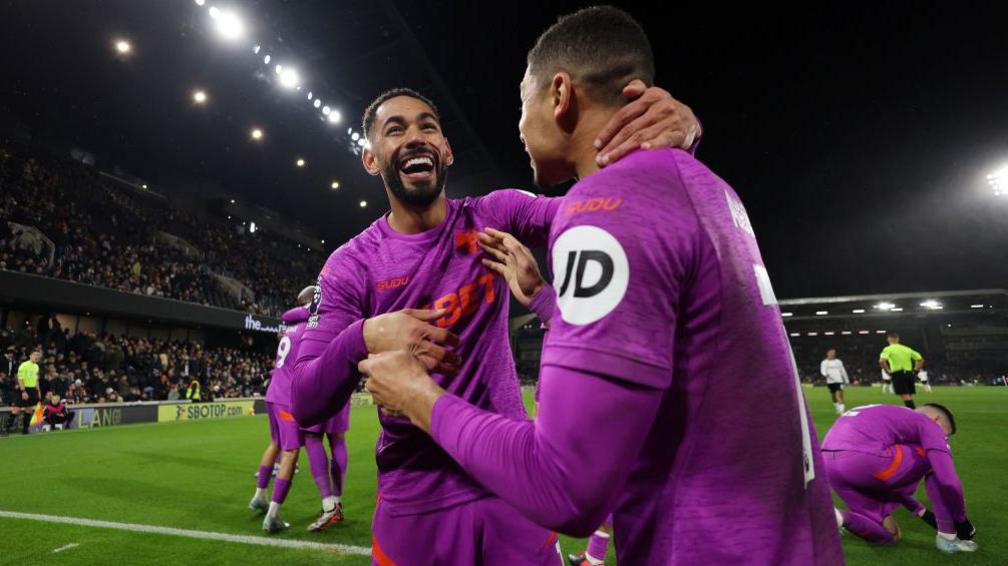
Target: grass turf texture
198	475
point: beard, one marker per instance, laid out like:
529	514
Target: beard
419	197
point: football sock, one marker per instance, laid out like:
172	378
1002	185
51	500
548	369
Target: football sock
319	464
280	489
338	465
598	544
263	478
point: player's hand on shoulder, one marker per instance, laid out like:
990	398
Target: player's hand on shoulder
652	119
514	262
411	330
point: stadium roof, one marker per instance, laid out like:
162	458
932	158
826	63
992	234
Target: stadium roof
895	305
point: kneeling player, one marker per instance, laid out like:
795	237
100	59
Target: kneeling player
875	457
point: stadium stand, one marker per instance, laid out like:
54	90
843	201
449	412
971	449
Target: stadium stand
62	219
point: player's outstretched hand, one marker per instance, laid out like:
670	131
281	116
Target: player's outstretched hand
400	384
514	262
652	119
411	330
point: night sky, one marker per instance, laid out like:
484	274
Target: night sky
859	137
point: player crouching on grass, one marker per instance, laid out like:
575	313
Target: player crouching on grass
875	458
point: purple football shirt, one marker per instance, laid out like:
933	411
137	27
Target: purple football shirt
661	292
382	271
874	429
279	390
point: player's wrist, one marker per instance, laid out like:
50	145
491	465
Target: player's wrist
420	406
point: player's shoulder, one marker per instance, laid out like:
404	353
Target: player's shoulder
353	254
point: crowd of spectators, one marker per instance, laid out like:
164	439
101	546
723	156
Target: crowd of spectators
90	368
59	218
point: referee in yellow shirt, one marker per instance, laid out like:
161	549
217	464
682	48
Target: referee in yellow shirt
27	376
902	363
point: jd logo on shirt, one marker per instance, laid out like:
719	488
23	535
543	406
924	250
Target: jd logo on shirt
592	274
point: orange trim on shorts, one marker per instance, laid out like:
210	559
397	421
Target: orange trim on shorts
551	541
285	416
379	555
893	466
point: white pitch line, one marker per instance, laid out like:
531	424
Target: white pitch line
206	535
66	547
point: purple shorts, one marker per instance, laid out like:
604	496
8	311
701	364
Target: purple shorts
283	428
875	485
336	424
485	531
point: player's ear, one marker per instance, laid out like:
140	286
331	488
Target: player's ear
369	161
449	156
561	92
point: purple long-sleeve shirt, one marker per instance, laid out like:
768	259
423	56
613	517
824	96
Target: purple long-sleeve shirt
279	390
382	271
664	332
876	429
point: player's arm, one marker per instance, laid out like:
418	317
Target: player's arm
843	373
918	360
532	465
822	368
884	362
338	336
945	491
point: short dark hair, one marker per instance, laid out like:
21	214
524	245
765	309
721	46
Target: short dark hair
946	411
602	47
892	335
369	113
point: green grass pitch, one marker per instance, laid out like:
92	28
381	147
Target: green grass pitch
199	475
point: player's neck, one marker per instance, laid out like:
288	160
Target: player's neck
582	152
409	220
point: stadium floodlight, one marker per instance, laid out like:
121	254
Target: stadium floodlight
300	162
199	97
289	78
309	95
252	227
363	203
976	306
355	136
232	201
255	50
821	313
200	2
335	117
795	334
317	103
326	110
884	306
278	68
858	311
144	186
998	181
787	314
227	23
266	59
863	332
334	185
829	333
361	142
323	242
880	332
813	334
846	332
256	134
896	309
931	304
123	47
